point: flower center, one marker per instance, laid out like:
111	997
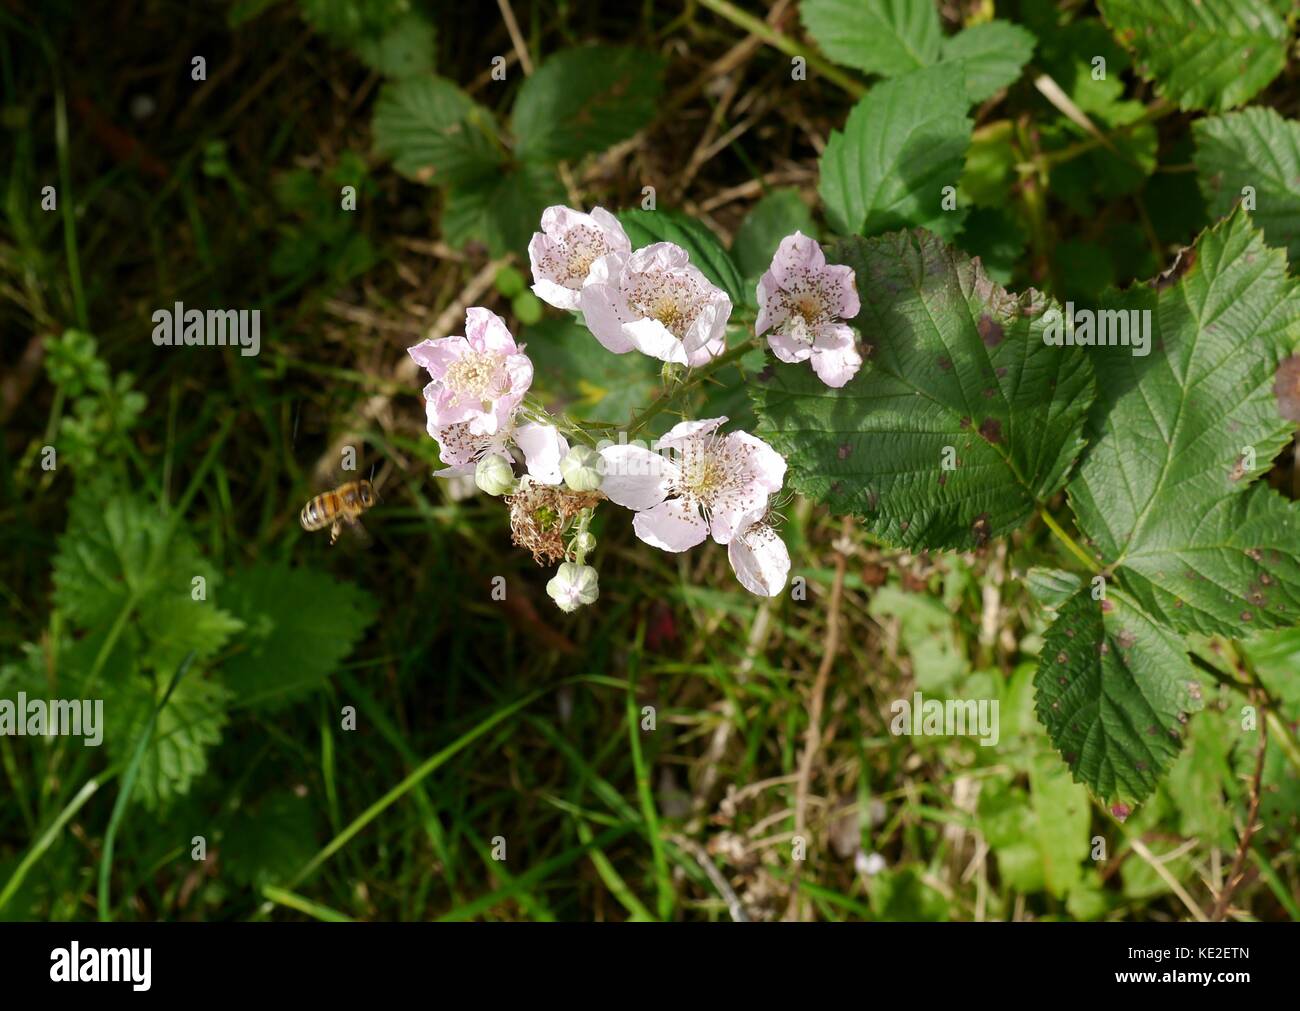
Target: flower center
673	301
806	313
583	246
712	472
475	376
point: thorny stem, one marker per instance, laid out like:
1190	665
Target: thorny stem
692	379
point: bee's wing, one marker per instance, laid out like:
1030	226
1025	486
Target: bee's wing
358	532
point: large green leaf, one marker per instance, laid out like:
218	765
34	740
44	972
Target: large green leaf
501	210
405	49
956	369
1203	54
584	100
707	254
992	54
885	37
1257	148
300	625
188	726
901	146
1113	689
434	132
119	552
1163	493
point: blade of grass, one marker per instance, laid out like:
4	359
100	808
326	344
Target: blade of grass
663	880
400	790
128	786
294	901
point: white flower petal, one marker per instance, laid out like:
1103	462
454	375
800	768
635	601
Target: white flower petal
634	477
651	337
671	526
760	560
603	309
543	448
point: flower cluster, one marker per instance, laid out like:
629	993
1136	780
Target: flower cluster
693	483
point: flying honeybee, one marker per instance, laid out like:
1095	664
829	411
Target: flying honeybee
333	509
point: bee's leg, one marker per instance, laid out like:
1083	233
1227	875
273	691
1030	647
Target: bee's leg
334	532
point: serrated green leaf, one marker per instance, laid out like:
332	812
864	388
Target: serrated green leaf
434	132
1113	689
902	144
405	49
1051	587
188	726
708	255
992	55
177	625
1163	493
574	373
954	362
346	21
886	37
299	625
1257	148
118	551
1202	54
585	100
501	210
780	213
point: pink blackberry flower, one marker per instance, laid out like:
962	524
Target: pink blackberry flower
709	486
654	301
804	301
478	379
563	252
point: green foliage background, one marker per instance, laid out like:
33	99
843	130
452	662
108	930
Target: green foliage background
160	565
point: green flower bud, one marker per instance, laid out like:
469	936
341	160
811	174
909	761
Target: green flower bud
581	469
584	543
573	586
494	475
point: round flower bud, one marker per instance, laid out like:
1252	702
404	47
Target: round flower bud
573	586
584	543
495	475
581	469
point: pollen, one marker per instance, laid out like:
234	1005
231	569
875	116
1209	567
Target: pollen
673	301
714	474
571	258
476	376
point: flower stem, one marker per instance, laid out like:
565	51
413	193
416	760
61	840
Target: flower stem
1068	541
693	379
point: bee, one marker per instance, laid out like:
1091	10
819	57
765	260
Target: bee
333	509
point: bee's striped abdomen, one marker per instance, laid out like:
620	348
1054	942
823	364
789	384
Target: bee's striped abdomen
320	511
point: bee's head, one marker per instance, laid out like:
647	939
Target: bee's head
367	494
